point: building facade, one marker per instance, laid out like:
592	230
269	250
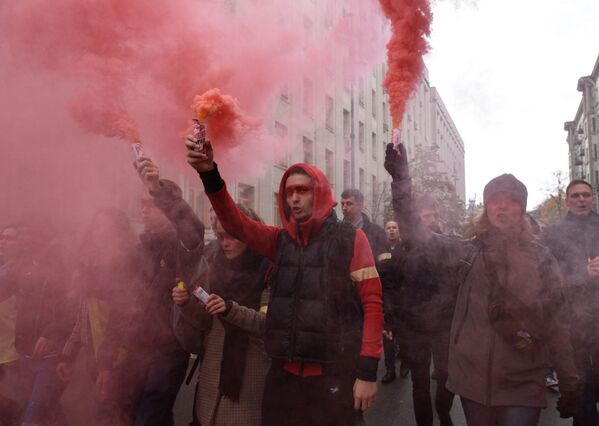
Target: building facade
583	131
343	129
428	124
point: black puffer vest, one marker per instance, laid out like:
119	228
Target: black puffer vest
314	313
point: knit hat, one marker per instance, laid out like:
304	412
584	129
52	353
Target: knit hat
508	183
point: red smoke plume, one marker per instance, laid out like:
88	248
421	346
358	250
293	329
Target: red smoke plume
81	71
227	123
411	22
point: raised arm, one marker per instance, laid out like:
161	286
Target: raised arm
260	237
396	164
167	197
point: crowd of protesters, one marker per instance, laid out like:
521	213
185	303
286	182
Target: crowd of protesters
286	325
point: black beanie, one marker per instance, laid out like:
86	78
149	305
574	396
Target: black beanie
507	183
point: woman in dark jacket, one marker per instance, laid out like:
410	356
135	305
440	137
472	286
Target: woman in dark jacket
229	328
106	274
510	312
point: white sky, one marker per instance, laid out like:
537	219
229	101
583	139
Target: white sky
507	71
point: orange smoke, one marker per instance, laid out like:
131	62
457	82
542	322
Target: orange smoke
99	118
125	128
227	123
410	22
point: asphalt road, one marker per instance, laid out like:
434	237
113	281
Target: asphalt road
393	407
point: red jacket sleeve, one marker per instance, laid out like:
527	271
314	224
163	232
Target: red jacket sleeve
260	237
368	285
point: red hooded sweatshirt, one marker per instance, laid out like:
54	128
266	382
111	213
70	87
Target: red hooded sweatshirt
263	238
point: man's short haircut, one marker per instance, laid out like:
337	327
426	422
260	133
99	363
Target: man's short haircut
578	182
353	192
426	202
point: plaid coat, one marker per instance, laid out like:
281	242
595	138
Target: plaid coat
213	409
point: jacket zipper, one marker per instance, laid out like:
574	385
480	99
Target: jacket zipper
298	280
463	321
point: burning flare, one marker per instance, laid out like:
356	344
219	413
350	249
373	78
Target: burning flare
226	121
410	23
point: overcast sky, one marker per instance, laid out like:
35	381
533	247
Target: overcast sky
507	71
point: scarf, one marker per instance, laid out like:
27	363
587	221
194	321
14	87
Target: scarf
241	280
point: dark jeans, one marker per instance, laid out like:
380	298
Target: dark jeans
586	413
325	400
481	415
157	380
38	389
419	348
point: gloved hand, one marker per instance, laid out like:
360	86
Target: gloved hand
567	403
396	163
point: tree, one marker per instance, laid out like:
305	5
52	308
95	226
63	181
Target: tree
427	179
554	207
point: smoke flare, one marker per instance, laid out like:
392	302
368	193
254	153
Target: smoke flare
227	123
411	25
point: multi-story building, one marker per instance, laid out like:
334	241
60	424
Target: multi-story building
427	123
583	131
342	127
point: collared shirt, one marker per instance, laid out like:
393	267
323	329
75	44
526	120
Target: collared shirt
359	222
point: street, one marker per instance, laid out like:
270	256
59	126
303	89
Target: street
393	406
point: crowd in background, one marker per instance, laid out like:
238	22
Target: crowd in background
294	319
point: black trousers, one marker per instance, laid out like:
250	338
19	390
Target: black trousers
419	349
390	346
325	400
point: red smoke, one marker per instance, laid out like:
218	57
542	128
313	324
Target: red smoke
411	22
83	73
227	123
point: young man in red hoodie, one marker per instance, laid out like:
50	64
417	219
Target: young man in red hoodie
325	317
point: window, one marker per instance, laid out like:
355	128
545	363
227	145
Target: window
374	195
308	97
330	113
346	124
595	151
346	174
362	182
281	132
308	145
361	92
285	93
594	123
246	195
373	104
385	119
276	218
361	136
329	162
374	147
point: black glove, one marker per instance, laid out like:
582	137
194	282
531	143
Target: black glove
567	403
396	163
